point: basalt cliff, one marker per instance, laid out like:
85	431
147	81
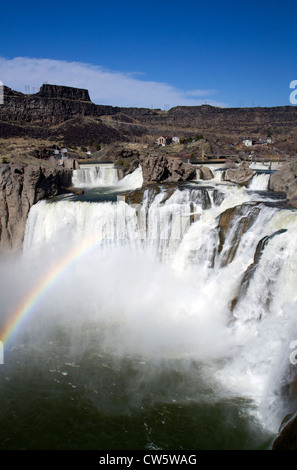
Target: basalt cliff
20	188
68	114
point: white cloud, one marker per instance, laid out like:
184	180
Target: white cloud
201	92
105	86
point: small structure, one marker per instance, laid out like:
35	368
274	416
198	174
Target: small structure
175	140
64	153
163	140
248	142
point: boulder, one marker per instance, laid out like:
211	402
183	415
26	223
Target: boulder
164	169
240	175
205	173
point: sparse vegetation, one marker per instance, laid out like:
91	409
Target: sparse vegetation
202	133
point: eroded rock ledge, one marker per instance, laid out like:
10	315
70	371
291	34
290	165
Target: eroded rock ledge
20	188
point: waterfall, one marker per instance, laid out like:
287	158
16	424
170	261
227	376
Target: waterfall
259	182
95	175
217	173
133	180
159	222
105	175
264	322
185	296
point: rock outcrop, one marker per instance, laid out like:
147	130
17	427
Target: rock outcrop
240	175
51	105
55	104
287	437
163	169
246	213
20	188
205	173
284	181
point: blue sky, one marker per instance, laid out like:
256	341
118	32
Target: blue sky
154	54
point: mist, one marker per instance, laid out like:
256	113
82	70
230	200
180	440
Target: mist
136	320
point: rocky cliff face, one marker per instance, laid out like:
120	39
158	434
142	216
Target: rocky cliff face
20	188
206	116
63	92
54	104
285	181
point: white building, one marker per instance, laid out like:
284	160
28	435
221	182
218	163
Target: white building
64	153
248	142
163	140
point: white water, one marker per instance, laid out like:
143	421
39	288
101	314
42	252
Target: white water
216	170
155	287
259	182
95	175
105	175
132	181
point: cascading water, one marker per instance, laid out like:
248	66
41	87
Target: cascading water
95	175
259	182
170	307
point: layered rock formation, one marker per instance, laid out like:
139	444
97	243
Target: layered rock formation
20	188
205	117
55	104
52	104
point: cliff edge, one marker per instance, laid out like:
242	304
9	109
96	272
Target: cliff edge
20	188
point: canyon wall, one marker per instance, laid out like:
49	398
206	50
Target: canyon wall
54	103
20	188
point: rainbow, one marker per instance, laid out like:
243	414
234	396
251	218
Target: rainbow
40	289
